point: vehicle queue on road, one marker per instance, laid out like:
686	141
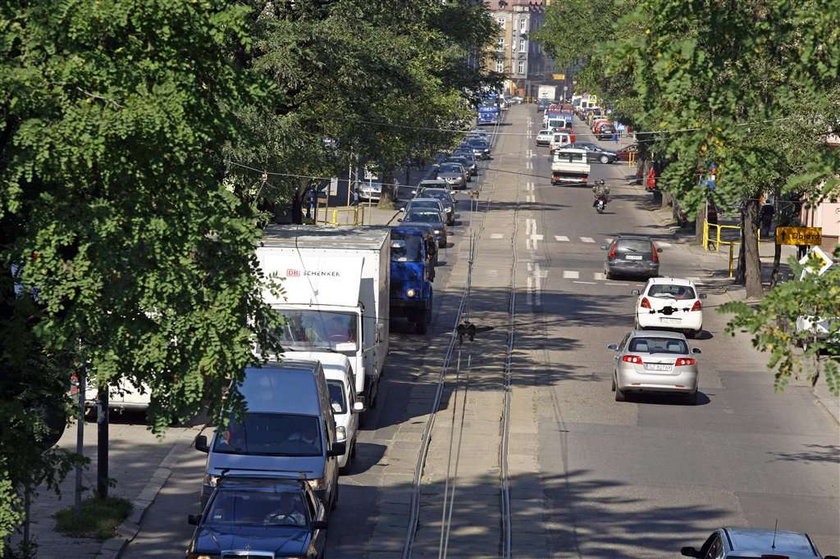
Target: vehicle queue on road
271	476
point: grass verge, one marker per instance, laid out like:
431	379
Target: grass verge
98	519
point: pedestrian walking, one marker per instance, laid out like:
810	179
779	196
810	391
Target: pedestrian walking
766	216
309	199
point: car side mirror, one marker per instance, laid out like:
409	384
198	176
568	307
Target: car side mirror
319	525
613	347
358	407
201	444
338	448
689	552
193	519
696	350
702	295
635	292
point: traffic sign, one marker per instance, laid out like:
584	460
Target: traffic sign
824	261
811	236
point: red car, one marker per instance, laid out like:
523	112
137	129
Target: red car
625	154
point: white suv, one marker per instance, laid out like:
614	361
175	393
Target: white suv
670	303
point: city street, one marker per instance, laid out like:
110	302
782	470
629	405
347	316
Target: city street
589	477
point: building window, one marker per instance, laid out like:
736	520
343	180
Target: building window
501	22
500	45
521	67
523	25
500	66
523	45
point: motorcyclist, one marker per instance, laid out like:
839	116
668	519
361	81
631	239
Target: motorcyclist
601	192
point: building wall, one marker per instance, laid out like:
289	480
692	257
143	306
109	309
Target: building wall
522	60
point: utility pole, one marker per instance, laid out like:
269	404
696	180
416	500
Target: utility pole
81	378
102	442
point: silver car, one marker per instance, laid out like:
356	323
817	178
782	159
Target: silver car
654	361
454	174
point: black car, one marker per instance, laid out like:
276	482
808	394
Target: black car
479	147
595	153
429	217
632	256
260	516
445	198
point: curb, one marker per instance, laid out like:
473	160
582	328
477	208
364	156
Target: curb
126	532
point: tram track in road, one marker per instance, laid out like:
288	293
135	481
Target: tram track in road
457	378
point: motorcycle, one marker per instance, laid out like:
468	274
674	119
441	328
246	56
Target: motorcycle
600	203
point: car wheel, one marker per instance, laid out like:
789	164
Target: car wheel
620	395
605	159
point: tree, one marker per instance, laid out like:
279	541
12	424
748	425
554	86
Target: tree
129	253
771	322
355	78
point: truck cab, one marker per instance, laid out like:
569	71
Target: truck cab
412	272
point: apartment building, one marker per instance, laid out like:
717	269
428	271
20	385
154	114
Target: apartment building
522	60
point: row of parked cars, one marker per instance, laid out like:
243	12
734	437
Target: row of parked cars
271	476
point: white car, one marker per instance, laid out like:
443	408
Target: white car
370	190
544	137
671	304
559	140
122	397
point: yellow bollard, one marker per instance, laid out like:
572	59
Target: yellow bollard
731	260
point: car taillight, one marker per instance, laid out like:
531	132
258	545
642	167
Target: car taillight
645	303
696	306
632	359
612	251
684	361
655	255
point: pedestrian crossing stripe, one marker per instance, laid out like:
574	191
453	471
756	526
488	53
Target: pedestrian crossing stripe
600	276
587	240
571	274
497	236
561	238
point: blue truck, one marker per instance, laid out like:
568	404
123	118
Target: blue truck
412	272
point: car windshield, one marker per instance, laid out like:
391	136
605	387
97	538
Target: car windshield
263	508
441	195
434	204
309	330
477	143
405	248
337	401
671	291
423	217
658	345
450	168
271	434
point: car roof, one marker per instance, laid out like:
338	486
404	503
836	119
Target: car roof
671	281
288	386
633	238
657	334
760	541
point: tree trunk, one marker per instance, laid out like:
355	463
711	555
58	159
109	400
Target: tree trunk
699	222
752	262
777	258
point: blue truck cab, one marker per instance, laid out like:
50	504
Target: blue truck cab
412	272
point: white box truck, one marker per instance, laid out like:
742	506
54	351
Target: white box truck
547	92
335	285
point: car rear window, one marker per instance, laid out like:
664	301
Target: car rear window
658	345
634	245
670	291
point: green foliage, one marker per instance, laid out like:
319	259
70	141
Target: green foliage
771	323
11	514
98	518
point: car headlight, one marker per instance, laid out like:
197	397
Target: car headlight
211	480
448	209
410	292
317	484
438	232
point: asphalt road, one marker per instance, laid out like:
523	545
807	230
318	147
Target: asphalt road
590	477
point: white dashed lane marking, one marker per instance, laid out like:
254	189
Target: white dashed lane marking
561	238
571	274
587	240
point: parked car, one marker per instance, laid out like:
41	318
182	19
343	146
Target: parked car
594	152
606	131
430	217
445	199
647	361
453	173
122	396
467	162
544	137
670	303
631	255
732	543
259	517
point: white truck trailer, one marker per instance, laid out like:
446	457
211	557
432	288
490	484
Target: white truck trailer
547	92
335	285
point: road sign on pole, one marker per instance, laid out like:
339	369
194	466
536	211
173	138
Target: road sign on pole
824	262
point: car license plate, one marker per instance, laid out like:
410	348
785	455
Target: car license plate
669	319
657	367
633	257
